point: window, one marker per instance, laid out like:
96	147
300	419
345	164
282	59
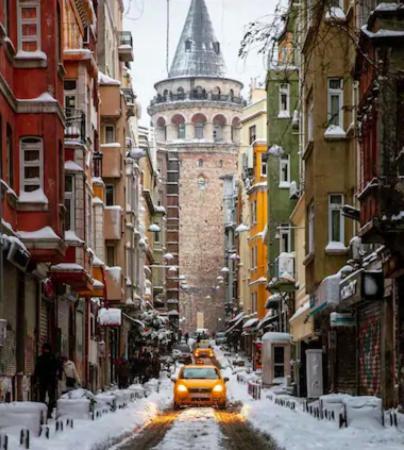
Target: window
217	132
254	302
279	362
110	134
335	102
253	212
200	162
310	121
201	183
284	171
252	133
69	202
32	166
335	218
9	157
110	256
216	47
188	45
253	257
199	129
29	25
284	239
157	236
89	222
109	194
58	34
263	165
181	130
6	17
1	148
284	100
310	229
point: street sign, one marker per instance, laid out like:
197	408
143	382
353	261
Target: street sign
341	320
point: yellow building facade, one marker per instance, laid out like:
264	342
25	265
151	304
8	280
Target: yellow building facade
253	205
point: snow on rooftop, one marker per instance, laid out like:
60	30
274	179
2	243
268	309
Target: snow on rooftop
97	261
272	336
335	13
44	97
110	317
73	166
389	6
71	236
41	234
37	196
67	267
106	80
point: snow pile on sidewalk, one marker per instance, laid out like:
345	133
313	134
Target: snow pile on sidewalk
194	428
295	430
101	433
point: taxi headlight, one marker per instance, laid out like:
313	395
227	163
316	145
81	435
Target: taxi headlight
182	389
218	388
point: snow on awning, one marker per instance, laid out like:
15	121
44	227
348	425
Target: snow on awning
235	324
328	293
236	318
269	317
111	317
276	337
301	311
273	300
136	321
250	323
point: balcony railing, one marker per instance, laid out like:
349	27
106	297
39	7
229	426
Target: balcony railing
75	128
197	96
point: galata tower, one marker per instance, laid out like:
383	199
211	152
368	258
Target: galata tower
196	114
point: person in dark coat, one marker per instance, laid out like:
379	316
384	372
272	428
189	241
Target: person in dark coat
155	365
47	372
122	371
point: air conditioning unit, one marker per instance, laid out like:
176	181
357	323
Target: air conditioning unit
18	256
293	190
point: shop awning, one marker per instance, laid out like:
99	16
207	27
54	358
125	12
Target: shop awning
302	323
236	318
72	274
250	323
273	301
136	321
303	310
235	324
267	320
111	317
327	294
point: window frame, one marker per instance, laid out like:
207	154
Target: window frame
282	160
310	120
112	186
332	207
310	228
69	195
110	126
339	93
199	129
23	164
181	130
284	89
264	172
252	134
21	22
285	231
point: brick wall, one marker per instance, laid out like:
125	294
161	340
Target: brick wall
201	237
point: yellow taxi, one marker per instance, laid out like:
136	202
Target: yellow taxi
200	386
204	351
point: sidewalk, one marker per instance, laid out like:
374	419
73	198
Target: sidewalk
103	432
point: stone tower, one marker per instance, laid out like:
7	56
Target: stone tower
196	115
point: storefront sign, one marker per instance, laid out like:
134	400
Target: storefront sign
341	320
362	285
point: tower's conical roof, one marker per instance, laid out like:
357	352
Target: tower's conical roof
198	52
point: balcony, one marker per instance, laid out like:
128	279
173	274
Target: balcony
75	129
125	48
283	277
114	283
113	222
111	160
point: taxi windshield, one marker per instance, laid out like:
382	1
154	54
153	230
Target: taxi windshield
200	373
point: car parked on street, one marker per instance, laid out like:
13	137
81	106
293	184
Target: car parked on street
182	353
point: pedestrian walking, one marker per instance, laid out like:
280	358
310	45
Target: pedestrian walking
47	372
72	378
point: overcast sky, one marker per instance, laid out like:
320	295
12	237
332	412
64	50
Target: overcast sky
147	21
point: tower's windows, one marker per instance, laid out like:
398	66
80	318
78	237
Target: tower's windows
216	47
188	45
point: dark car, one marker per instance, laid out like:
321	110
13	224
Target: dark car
182	353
